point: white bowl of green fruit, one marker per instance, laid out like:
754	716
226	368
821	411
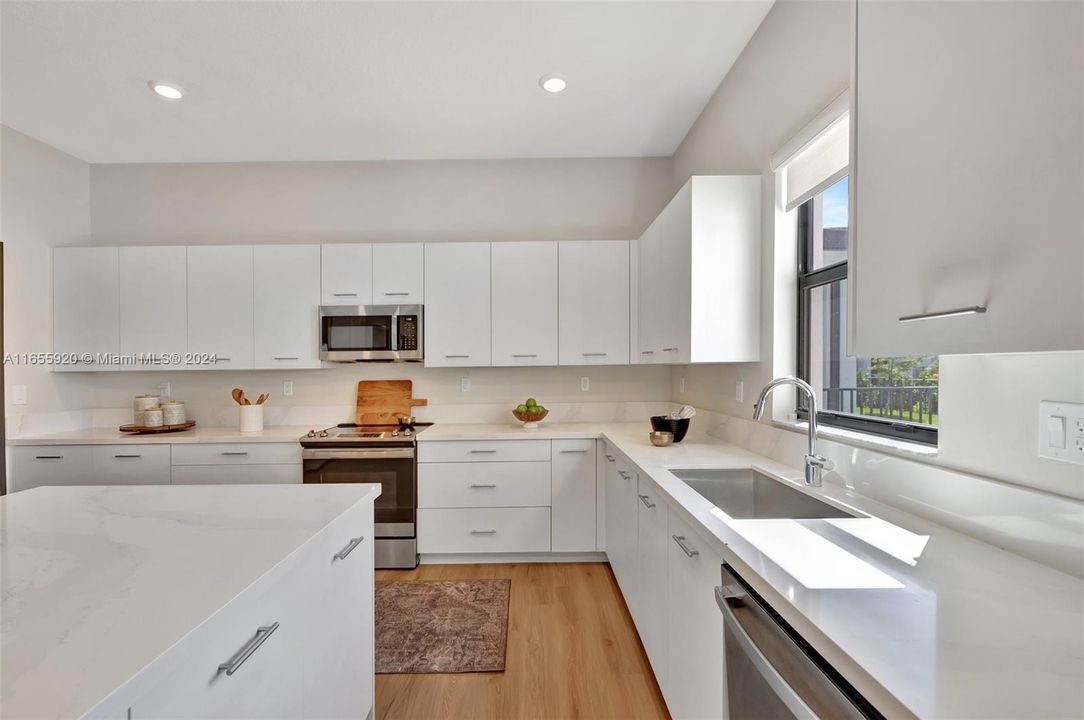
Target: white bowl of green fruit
530	414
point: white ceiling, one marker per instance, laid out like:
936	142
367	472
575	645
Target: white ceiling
364	80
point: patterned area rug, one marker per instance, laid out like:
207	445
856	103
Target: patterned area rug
441	626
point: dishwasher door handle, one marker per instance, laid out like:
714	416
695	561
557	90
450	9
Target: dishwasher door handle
786	694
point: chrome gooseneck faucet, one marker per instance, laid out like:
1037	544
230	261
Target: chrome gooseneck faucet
814	463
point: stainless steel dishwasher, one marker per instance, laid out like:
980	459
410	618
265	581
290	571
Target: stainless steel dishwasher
771	672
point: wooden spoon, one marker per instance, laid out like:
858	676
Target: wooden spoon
238	395
261	398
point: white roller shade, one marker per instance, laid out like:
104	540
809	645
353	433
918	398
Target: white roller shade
819	164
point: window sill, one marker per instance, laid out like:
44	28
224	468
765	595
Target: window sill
916	451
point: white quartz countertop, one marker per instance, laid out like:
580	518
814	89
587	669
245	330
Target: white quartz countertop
112	436
99	581
923	620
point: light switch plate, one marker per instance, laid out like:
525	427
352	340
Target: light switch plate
165	390
681	386
739	391
585	384
18	394
464	384
1061	431
287	388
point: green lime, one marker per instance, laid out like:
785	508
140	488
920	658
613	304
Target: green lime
521	408
531	402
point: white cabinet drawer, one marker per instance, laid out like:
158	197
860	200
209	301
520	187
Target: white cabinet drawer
186	682
236	474
484	451
484	530
38	465
237	454
131	464
485	484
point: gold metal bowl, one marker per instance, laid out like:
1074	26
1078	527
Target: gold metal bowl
661	438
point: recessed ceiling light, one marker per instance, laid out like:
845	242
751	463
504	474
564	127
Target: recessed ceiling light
167	90
552	83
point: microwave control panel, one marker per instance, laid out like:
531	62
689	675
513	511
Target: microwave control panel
408	332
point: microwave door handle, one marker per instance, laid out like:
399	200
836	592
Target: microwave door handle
393	341
786	694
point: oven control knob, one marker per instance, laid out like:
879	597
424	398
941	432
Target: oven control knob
395	433
323	433
310	433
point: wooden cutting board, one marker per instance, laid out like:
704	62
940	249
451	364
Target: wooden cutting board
383	402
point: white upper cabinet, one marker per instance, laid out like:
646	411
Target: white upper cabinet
524	286
85	302
967	177
346	274
457	317
398	274
220	304
286	298
594	303
153	300
698	273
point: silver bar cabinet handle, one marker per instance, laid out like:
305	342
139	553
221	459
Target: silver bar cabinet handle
937	314
48	457
341	555
645	499
482	452
222	359
610	458
524	356
484	485
624	475
594	354
234	663
680	540
284	358
396	294
647	352
234	453
457	357
572	452
127	456
344	294
483	532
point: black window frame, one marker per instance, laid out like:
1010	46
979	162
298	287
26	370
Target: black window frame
813	278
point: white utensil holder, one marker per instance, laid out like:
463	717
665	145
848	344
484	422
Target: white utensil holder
251	418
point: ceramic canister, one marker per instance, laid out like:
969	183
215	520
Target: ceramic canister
141	404
152	417
173	413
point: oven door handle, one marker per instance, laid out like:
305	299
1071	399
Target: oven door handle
357	453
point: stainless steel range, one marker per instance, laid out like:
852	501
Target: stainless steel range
381	454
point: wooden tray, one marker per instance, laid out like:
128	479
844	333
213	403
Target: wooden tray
144	430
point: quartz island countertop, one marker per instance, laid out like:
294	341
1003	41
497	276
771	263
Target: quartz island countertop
99	581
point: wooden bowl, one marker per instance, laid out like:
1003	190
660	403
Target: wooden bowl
531	418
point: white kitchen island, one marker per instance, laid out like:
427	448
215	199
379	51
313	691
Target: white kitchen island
123	602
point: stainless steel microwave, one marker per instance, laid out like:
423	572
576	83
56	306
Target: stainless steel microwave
371	333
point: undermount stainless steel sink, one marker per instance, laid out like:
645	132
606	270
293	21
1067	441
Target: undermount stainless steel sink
748	494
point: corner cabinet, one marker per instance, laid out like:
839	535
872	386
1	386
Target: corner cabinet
967	139
699	274
86	302
457	310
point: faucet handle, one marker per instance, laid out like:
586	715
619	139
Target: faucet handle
820	462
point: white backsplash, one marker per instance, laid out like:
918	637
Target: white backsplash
1042	526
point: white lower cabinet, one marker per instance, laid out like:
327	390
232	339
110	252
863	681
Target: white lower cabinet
129	464
621	520
236	474
484	530
189	681
653	547
237	464
694	675
484	484
573	491
337	649
297	643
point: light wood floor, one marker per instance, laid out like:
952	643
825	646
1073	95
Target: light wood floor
572	653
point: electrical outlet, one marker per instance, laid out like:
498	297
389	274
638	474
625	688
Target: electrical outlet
18	394
287	388
681	386
164	390
585	384
739	391
1061	431
464	384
